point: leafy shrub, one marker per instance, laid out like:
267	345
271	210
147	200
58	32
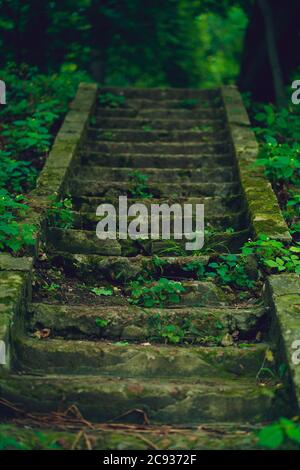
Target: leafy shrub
156	293
13	234
60	213
285	433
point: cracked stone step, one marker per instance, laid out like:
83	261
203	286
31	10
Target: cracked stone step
135	135
103	398
52	356
155	161
205	125
87	242
80	187
213	205
133	323
161	175
162	93
215	225
188	148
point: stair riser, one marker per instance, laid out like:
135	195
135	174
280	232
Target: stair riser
164	94
156	161
159	147
120	135
79	187
168	404
207	125
160	113
132	323
221	174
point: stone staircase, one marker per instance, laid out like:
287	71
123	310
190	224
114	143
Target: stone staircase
108	356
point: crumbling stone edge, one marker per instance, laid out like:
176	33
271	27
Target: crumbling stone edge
282	294
16	273
281	291
263	209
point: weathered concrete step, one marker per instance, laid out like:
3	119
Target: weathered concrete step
161	175
54	356
216	205
87	242
138	135
132	323
163	93
188	148
80	187
156	161
161	113
103	398
205	125
215	222
216	436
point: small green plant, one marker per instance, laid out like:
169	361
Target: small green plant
285	433
14	235
156	293
102	291
109	100
147	128
108	135
272	254
60	213
16	175
53	287
230	270
196	266
102	323
138	185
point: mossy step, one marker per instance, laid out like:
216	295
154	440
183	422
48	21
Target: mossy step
174	104
163	93
214	204
87	242
139	135
132	323
161	113
158	175
188	148
137	360
217	436
80	187
156	161
160	124
88	220
103	398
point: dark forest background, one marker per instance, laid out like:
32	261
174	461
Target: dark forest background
180	43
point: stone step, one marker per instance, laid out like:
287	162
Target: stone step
215	225
173	103
208	436
52	356
164	148
205	125
133	323
161	113
103	399
87	242
155	161
163	93
161	175
139	135
213	205
80	187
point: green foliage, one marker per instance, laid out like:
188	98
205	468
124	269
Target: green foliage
282	434
281	161
138	185
231	269
197	267
99	291
102	323
109	100
16	175
60	213
273	255
14	235
155	293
